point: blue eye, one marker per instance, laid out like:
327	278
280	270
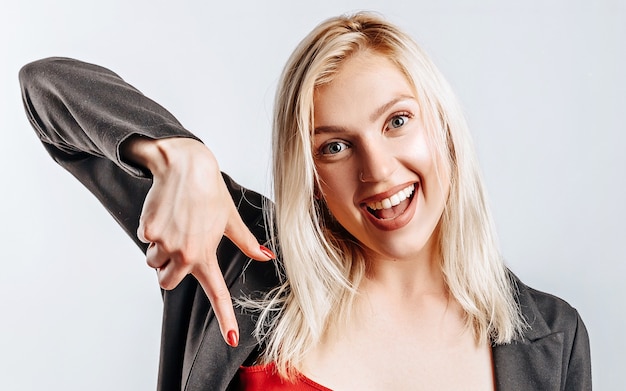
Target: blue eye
398	121
333	148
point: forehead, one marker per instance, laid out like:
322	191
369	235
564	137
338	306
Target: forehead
363	82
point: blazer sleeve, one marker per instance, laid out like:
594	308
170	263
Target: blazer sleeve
82	113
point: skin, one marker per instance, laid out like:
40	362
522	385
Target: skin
370	115
180	221
406	332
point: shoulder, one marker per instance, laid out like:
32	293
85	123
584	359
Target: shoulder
546	313
555	311
553	350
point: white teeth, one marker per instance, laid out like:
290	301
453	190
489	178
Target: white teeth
393	200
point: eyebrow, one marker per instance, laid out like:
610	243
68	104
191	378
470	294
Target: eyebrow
373	117
381	110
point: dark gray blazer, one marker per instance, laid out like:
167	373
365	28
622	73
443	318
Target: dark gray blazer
83	112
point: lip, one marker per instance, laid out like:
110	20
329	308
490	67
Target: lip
397	222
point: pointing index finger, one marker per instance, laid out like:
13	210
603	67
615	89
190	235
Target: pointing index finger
212	281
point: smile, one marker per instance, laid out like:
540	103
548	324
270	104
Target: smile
393	206
394	200
394	211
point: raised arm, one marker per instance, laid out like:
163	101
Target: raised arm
138	160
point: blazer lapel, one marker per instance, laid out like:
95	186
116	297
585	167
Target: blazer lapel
528	363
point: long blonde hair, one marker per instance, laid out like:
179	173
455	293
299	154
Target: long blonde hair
323	264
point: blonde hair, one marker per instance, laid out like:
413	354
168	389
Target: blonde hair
323	264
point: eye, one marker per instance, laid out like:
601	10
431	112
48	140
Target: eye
397	121
333	148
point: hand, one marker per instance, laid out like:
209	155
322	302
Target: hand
185	214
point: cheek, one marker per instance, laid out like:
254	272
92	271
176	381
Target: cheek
442	171
337	187
331	180
424	158
437	190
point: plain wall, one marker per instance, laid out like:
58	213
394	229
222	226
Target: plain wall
542	83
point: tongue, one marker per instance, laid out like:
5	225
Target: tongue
393	212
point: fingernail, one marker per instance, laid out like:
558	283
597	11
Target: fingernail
269	253
232	339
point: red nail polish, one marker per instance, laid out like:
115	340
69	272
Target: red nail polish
232	338
267	252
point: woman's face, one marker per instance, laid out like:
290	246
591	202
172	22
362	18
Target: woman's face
374	161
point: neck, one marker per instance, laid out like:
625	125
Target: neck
419	275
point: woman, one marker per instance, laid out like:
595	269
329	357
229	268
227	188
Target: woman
393	278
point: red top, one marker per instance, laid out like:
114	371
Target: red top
265	378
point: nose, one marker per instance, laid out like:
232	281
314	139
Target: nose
377	163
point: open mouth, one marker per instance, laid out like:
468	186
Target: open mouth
391	207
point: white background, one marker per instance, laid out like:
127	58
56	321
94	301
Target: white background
542	83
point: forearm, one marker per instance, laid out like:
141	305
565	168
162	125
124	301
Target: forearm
78	107
108	135
84	114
